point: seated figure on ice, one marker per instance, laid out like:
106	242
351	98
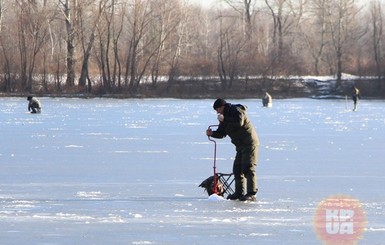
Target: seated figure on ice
34	105
267	101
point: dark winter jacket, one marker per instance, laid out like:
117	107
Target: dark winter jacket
237	126
34	103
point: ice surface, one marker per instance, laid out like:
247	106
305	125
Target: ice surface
126	171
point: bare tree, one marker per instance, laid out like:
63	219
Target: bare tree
1	14
109	32
282	22
178	44
138	23
231	45
88	37
6	64
166	19
199	48
69	8
377	23
246	9
341	20
59	57
249	56
142	45
33	34
315	32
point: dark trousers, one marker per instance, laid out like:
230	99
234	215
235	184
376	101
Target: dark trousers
35	110
244	170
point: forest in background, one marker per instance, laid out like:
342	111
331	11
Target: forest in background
176	48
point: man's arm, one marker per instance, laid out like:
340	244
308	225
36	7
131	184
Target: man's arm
218	134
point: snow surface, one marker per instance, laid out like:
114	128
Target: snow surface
126	171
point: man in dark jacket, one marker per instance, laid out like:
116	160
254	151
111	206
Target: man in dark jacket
34	105
234	122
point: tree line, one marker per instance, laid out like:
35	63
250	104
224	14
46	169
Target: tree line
121	46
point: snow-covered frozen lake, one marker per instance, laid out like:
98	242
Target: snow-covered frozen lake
126	171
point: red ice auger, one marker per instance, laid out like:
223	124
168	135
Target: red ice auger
219	183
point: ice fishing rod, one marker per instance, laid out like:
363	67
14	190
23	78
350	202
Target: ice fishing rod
215	160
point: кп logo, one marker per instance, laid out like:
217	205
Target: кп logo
339	220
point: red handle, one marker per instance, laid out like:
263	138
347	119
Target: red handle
215	190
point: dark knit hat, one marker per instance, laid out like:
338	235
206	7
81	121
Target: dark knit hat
218	103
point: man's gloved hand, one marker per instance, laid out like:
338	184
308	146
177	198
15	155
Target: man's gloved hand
209	132
220	117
